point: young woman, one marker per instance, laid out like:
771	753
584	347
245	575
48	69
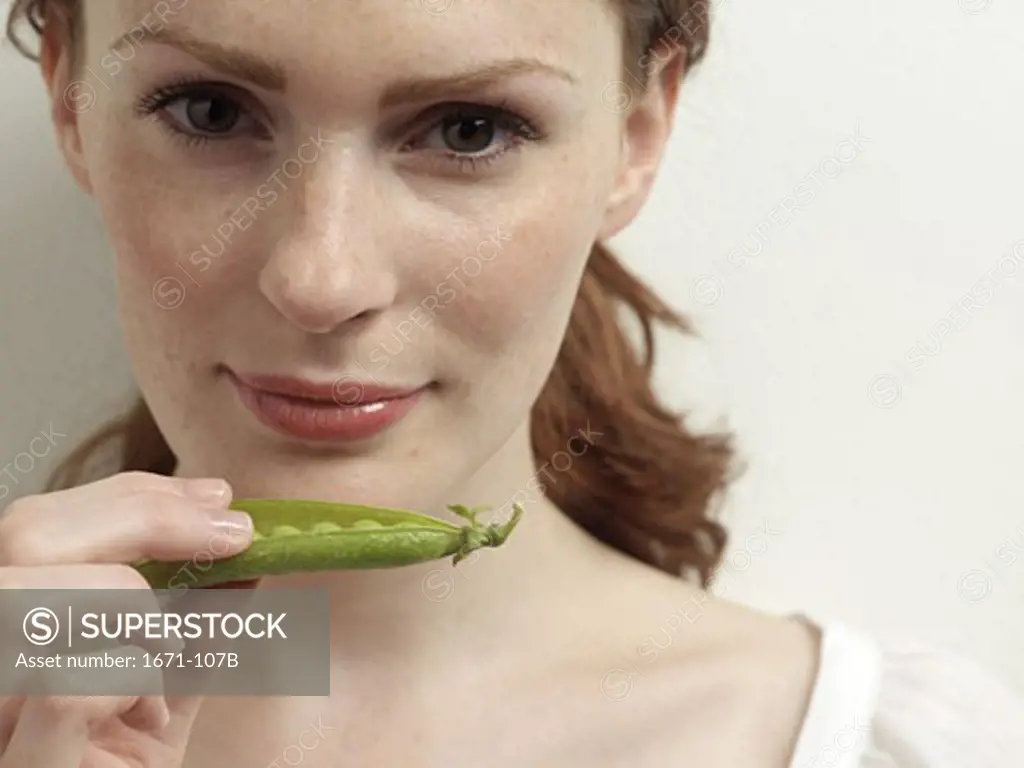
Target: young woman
358	256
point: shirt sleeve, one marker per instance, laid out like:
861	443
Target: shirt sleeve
937	709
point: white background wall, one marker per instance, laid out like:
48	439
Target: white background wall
888	479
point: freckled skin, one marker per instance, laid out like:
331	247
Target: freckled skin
359	253
486	265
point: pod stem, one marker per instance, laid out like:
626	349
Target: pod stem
475	535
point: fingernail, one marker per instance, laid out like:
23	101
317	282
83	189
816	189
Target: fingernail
230	521
207	490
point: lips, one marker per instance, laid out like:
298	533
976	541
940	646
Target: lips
340	410
344	391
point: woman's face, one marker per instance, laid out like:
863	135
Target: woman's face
361	194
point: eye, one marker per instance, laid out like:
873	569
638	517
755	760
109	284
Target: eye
201	111
468	131
206	113
468	135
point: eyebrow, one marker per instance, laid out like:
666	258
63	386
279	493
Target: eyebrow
270	76
237	63
425	89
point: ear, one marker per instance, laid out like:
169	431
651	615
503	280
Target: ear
69	98
647	128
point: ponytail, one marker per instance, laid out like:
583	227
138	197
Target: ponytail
647	485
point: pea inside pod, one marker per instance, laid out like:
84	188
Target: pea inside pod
305	536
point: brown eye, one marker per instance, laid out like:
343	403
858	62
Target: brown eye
202	112
468	135
206	113
212	114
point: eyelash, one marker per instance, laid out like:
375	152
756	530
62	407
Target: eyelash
499	115
151	104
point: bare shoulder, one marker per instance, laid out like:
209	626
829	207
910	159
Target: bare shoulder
767	647
719	677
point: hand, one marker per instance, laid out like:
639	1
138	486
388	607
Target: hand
85	538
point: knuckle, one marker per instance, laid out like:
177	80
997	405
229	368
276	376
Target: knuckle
164	516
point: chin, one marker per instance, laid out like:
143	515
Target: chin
400	473
418	462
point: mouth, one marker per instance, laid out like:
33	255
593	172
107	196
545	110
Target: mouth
345	409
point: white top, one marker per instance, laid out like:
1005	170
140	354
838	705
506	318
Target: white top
881	707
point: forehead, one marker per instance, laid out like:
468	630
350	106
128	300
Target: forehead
369	37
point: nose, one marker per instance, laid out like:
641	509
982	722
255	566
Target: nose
329	264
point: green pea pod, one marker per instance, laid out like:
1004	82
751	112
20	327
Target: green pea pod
294	536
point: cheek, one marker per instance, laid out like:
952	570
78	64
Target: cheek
521	272
157	213
528	284
515	283
156	217
148	223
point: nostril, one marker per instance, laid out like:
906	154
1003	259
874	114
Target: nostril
363	316
318	297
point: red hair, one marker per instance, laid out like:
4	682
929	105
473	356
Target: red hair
648	487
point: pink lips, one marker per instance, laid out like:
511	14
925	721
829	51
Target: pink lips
345	409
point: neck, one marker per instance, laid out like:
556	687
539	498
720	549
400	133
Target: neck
427	616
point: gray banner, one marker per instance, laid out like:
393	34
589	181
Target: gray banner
87	642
